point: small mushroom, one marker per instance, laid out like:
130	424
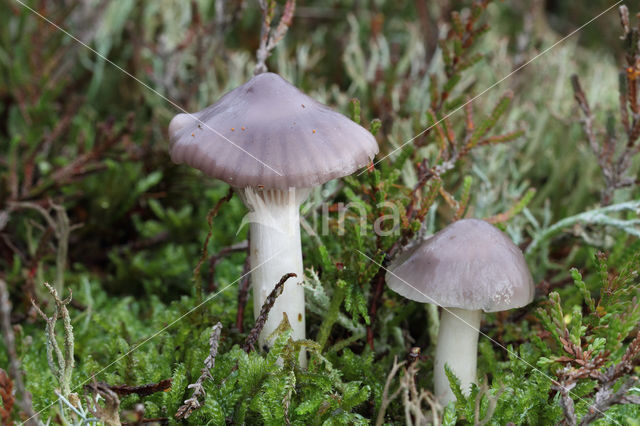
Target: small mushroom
466	268
273	166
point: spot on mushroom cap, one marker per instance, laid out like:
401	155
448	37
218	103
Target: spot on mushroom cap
305	141
470	264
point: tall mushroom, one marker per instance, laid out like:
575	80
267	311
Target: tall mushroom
468	267
272	143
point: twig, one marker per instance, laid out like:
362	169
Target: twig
61	228
216	258
252	338
386	398
243	294
589	367
110	413
567	405
24	397
615	154
605	397
62	366
268	39
592	217
373	307
413	399
199	393
205	251
491	407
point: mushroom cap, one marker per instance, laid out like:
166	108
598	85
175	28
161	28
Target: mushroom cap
470	264
267	133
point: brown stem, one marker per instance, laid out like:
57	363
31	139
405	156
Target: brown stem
243	294
216	258
212	213
378	285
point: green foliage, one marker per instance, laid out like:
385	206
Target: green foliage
251	388
455	386
77	134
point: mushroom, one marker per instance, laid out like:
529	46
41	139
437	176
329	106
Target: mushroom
466	268
272	143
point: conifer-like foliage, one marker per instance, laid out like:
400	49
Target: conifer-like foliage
146	319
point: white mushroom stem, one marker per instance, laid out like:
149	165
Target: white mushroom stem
458	348
274	251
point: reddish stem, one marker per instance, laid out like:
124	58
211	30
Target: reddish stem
243	295
378	281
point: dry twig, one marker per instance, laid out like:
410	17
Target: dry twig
205	246
269	37
109	412
199	393
61	228
491	408
615	154
62	365
589	366
414	399
216	258
386	397
243	294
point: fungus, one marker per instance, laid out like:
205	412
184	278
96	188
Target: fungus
466	268
272	165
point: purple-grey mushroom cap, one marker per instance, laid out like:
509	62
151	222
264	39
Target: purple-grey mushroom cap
470	264
267	133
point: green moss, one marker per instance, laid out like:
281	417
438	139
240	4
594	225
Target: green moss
77	132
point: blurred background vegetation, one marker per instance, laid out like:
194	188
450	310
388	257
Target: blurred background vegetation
90	201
